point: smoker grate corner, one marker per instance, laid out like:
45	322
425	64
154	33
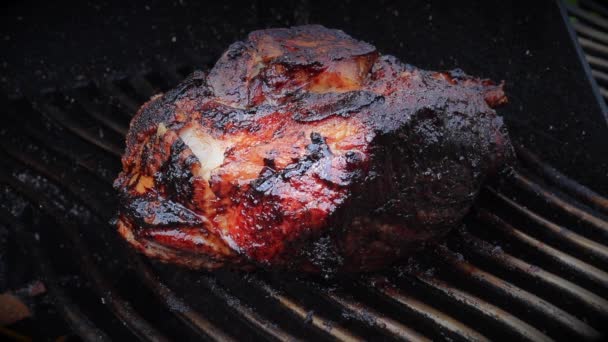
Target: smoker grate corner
590	22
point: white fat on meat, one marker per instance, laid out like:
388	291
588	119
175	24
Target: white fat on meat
208	150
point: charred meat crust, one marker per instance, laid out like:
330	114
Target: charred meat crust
304	148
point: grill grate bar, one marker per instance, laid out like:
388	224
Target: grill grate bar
429	314
485	250
571	263
487	310
94	111
319	322
514	293
364	313
59	116
121	308
587	16
581	192
525	183
191	318
597	62
78	153
54	174
70	312
80	160
583	245
601	76
590	44
246	314
585	30
194	319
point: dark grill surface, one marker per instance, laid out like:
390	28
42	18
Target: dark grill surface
530	263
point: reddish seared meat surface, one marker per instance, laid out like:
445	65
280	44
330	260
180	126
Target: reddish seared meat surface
306	149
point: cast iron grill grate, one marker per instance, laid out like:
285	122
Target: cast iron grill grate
531	264
590	22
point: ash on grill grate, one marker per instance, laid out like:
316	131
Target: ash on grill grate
530	264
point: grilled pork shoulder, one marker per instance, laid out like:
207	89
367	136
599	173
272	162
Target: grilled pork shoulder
306	149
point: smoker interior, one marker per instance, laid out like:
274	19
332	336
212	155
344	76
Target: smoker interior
529	263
